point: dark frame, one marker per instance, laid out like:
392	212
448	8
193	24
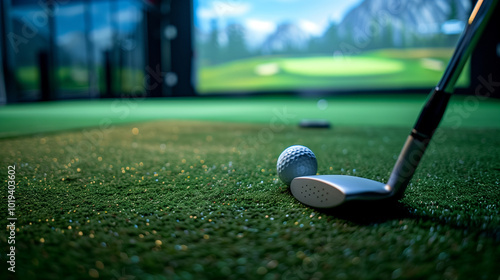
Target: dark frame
6	60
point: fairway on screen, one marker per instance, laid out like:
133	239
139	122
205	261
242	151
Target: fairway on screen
293	45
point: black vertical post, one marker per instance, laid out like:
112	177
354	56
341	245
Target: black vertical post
6	60
91	71
3	94
52	53
166	50
45	80
108	74
119	74
114	60
153	51
182	53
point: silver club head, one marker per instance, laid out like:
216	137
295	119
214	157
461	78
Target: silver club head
326	191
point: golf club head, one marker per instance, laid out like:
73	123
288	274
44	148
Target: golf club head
327	191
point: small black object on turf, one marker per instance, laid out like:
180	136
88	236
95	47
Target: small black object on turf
314	124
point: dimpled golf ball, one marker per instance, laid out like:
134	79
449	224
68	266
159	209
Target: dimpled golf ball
296	161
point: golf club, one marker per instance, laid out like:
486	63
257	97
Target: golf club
326	191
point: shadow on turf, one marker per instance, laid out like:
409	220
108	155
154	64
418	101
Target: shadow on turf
373	212
366	212
369	212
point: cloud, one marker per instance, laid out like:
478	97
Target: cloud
205	13
230	8
310	27
258	30
260	25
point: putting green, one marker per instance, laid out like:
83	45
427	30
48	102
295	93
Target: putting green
354	111
349	66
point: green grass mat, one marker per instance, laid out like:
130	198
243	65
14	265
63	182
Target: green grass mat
201	200
376	110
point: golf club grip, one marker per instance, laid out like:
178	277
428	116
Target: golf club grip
478	20
431	115
434	109
436	104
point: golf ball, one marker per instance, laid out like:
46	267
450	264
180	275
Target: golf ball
296	161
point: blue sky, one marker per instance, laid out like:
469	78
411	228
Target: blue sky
262	16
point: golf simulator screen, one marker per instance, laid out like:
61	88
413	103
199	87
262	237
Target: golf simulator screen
245	46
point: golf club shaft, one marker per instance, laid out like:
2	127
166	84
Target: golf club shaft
434	109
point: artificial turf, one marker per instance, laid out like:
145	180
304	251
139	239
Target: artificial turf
201	200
